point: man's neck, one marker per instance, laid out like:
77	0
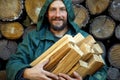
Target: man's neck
59	33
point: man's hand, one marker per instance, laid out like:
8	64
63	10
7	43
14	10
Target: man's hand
67	77
38	73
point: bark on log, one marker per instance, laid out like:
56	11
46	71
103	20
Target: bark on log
33	8
7	48
97	6
114	55
10	9
102	27
81	15
114	9
12	30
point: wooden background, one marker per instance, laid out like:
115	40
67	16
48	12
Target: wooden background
100	18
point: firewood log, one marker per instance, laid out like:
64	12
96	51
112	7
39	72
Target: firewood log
97	6
33	8
114	9
81	15
102	27
12	30
114	55
10	10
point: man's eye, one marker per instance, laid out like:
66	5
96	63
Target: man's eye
63	9
52	9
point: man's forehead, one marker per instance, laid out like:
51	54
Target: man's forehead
57	3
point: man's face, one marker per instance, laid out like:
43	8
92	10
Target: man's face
57	15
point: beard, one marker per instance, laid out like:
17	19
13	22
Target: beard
58	26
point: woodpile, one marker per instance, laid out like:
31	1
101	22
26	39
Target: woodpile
78	53
100	18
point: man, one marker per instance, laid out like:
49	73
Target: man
55	20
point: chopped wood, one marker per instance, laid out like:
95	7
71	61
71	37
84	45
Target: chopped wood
114	55
69	60
102	27
81	15
66	52
33	8
12	30
10	10
3	75
65	39
114	9
97	6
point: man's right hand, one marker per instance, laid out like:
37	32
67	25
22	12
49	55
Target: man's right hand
38	73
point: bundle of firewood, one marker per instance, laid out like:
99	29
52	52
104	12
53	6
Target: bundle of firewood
70	54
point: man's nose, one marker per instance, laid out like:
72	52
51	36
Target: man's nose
58	13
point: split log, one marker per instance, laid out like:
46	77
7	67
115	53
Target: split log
12	30
114	9
97	6
43	57
3	75
84	68
33	8
117	32
10	10
102	27
114	55
7	48
81	15
65	52
70	59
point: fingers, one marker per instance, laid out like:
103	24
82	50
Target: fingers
51	75
76	75
61	78
66	77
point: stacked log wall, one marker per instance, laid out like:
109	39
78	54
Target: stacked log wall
100	18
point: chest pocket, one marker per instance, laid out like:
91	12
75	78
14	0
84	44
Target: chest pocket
42	47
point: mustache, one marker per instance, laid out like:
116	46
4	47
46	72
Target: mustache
56	18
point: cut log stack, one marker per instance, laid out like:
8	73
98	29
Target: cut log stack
100	18
71	54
